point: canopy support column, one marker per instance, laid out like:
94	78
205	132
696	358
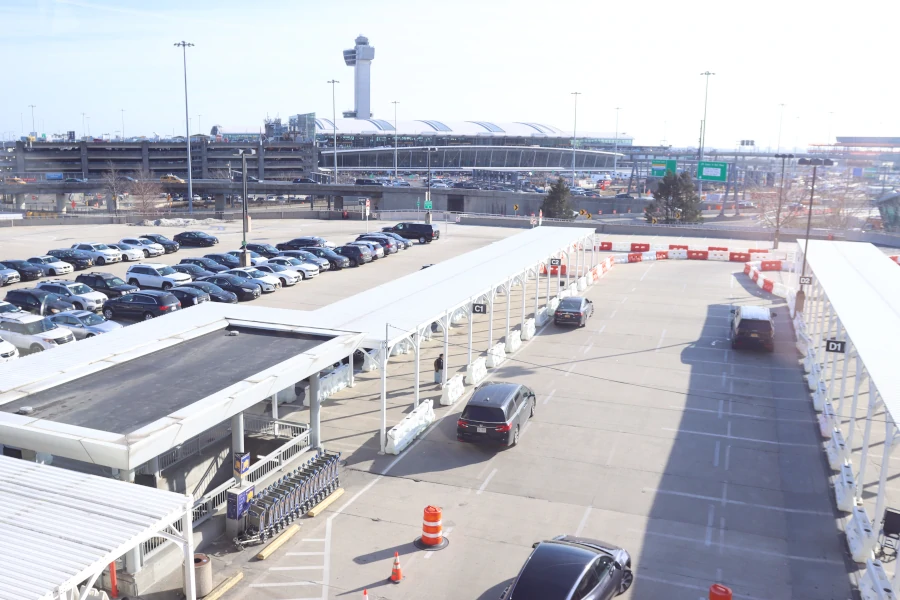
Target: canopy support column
837	335
857	381
382	434
417	345
873	401
187	528
352	381
491	320
568	267
275	413
524	287
537	289
471	326
446	349
315	410
508	306
847	358
889	431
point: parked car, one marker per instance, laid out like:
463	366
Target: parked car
255	257
356	255
287	276
404	243
15	181
195	238
7	307
496	413
244	289
8	351
101	254
390	245
216	294
129	252
111	285
753	327
26	270
266	250
32	333
9	276
150	248
155	275
238	177
624	197
305	268
335	260
569	567
78	259
79	294
143	304
368	182
308	257
169	246
207	264
301	243
169	178
267	281
74	180
304	180
50	265
226	260
573	310
193	270
84	323
423	232
189	296
375	248
402	183
39	302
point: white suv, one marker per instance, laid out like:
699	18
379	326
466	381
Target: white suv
82	296
101	253
30	332
156	275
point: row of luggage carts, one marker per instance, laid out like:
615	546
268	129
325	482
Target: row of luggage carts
289	498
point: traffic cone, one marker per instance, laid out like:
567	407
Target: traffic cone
396	574
365	594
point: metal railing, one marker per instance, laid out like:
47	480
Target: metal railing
278	459
189	448
155	544
210	502
273	427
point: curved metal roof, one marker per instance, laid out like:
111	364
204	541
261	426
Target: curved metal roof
451	128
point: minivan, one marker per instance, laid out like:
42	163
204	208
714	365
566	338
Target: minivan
496	413
753	327
423	232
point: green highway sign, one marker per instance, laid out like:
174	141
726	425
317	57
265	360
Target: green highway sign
712	171
658	168
428	205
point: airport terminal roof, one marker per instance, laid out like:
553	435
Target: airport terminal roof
451	128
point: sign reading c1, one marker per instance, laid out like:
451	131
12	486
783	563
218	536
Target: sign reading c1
836	346
479	309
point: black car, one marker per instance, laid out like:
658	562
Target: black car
266	250
304	180
26	270
390	245
207	264
193	270
423	232
106	283
143	304
496	412
624	197
189	296
572	567
405	242
168	245
229	261
302	243
368	182
753	327
465	185
125	179
195	238
238	177
244	289
336	261
75	180
216	294
35	301
573	310
77	258
355	255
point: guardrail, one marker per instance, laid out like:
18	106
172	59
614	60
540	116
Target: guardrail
189	448
278	459
273	427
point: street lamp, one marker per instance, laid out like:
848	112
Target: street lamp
245	201
616	147
784	158
815	163
395	103
703	138
334	125
574	129
187	123
32	107
428	152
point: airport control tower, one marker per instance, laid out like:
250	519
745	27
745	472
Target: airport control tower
360	57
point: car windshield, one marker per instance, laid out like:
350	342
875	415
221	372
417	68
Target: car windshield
309	255
101	247
256	273
489	414
41	326
92	319
570	304
167	271
5	307
268	247
111	281
291	260
80	288
276	267
202	285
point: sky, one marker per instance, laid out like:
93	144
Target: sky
829	64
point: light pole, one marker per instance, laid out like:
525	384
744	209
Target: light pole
784	158
705	103
395	103
245	201
428	152
815	163
122	110
32	107
574	133
334	124
83	130
616	147
187	123
780	122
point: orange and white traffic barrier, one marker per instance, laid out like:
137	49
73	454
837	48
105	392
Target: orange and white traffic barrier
396	573
432	531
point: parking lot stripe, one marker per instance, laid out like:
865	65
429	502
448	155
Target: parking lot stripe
304	553
583	521
727	456
742	415
486	481
716	455
550	395
305	568
569	370
588	348
742	439
797	511
284	584
710	517
661	338
312	540
428	555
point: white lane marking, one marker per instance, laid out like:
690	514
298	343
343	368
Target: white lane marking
601	329
305	553
430	554
728	429
743	416
661	338
724	378
731	277
296	568
716	454
741	439
625	299
569	370
731	385
721	407
633	289
727	456
285	584
688	586
613	315
525	429
486	481
583	521
726	356
588	348
550	395
484	469
719	575
724	493
645	272
710	517
721	534
312	540
612	451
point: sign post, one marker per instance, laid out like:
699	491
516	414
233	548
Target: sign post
712	171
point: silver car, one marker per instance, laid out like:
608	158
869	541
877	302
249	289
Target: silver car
50	265
267	281
84	324
8	276
287	276
148	247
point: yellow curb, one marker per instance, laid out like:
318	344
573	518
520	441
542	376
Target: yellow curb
278	542
316	510
223	587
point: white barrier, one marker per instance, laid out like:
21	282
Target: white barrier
371	361
621	246
528	329
551	306
620	259
804	344
496	355
656	247
861	537
582	284
563	294
845	489
826	421
514	342
476	371
810	360
403	433
875	584
820	396
331	383
402	347
718	255
812	380
452	390
837	451
646	256
678	254
541	319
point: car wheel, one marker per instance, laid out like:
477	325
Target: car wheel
278	286
353	262
36	348
90	335
108	313
421	240
52	272
148	316
627	580
146	253
101	261
283	282
516	434
533	407
78	305
166	285
133	282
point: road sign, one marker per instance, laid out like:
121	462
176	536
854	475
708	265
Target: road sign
479	309
806	280
241	463
835	346
712	171
368	204
555	262
428	205
659	168
515	207
533	221
582	212
362	201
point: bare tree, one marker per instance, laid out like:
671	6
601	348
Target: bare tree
146	193
114	184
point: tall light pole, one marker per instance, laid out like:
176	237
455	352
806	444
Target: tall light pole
334	124
395	103
187	123
32	107
574	133
83	130
616	150
122	110
780	122
705	102
815	163
199	127
784	158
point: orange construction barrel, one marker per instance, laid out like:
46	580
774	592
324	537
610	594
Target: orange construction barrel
718	591
432	530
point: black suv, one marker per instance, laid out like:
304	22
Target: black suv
423	232
168	245
336	261
267	250
195	238
301	243
496	412
31	300
106	283
76	258
753	327
26	270
356	255
143	304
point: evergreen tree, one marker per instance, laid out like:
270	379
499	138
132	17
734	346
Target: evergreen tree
556	204
675	201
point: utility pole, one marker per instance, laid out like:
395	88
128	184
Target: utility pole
187	123
395	103
334	125
616	150
574	134
122	110
32	106
703	133
784	158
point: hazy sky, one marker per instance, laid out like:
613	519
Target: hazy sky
462	60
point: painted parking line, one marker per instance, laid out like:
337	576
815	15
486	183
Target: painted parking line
583	522
726	501
486	481
550	395
660	342
742	439
742	415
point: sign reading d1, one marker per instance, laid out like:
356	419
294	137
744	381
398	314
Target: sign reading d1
712	171
837	346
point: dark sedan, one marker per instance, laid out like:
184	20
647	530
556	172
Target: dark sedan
26	270
242	288
193	270
304	180
189	296
204	263
168	245
143	304
573	311
395	236
106	283
572	567
336	261
76	258
39	302
195	238
216	294
229	261
302	243
307	256
266	250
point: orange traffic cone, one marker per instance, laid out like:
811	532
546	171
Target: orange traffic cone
396	574
365	594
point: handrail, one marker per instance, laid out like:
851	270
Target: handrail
278	459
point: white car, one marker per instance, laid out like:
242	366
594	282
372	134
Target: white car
307	269
255	257
32	333
129	252
8	352
268	282
287	276
101	253
51	265
6	307
149	247
82	296
155	275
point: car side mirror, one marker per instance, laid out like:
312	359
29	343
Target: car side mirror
535	545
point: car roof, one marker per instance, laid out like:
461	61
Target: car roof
552	571
494	394
102	274
75	313
21	316
155	293
755	313
143	264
